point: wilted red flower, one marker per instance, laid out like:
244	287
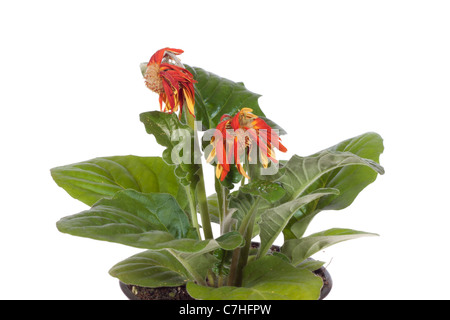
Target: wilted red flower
232	137
166	76
220	140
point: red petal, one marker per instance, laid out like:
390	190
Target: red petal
223	117
176	51
169	96
235	121
224	174
159	55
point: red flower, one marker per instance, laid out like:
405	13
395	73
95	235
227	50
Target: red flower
237	136
222	141
166	76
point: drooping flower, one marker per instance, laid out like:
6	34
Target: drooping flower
222	141
166	75
242	136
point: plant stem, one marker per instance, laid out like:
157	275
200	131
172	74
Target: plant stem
224	228
220	280
246	220
219	192
240	255
211	281
233	266
222	200
243	254
193	210
201	191
203	205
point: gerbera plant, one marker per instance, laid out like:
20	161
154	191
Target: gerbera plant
160	203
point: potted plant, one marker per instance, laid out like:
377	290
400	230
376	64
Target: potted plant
154	202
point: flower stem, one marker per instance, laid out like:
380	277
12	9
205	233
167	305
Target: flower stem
243	254
193	210
233	266
225	226
240	255
222	201
200	187
203	205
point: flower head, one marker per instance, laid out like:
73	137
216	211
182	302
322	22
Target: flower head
240	136
166	75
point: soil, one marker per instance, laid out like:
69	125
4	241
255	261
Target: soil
162	293
180	293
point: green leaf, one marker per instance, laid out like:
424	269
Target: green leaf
151	269
301	172
129	214
350	176
351	180
268	190
242	203
163	268
298	250
269	278
178	139
91	180
216	96
275	219
310	264
149	221
229	241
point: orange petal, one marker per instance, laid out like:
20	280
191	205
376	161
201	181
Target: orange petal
242	171
264	160
190	100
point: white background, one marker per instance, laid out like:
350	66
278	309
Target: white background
71	90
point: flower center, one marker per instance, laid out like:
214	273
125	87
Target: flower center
152	79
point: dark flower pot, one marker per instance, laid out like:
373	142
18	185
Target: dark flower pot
180	293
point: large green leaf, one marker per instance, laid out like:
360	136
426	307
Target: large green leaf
300	249
151	269
163	268
351	180
91	180
348	166
275	219
301	172
128	213
269	278
178	140
149	221
216	96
